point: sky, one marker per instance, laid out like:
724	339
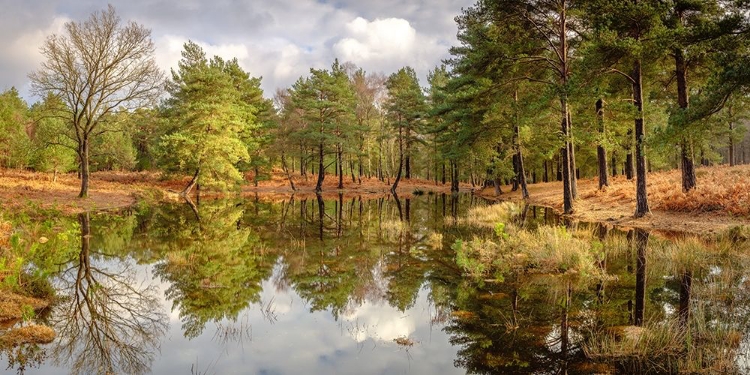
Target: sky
279	40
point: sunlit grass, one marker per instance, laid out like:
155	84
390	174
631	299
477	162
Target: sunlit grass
487	216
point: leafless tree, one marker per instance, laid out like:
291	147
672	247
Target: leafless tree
106	321
95	67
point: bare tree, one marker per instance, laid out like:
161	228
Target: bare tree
106	321
95	67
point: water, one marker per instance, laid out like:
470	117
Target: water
314	286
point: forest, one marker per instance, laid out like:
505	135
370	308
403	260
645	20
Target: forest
567	192
536	91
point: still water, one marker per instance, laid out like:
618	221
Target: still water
342	286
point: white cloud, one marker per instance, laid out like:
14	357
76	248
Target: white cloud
379	40
279	40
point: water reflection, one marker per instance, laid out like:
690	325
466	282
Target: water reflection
350	285
106	320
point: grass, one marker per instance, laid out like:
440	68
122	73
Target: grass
710	341
487	216
29	334
720	189
703	346
548	249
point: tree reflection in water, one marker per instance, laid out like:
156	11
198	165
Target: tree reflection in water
106	321
213	264
367	264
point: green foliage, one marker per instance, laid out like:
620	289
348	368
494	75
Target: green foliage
54	147
15	144
208	114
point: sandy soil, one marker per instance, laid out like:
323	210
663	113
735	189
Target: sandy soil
722	199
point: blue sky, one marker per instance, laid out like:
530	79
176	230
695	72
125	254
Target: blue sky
279	40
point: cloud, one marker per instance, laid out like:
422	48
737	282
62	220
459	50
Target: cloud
379	40
387	45
279	40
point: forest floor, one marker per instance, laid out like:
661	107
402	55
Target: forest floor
721	201
32	191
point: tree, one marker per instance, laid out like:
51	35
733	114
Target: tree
209	115
15	147
539	36
53	148
326	102
694	28
96	67
405	108
625	31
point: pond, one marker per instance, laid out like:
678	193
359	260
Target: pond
351	285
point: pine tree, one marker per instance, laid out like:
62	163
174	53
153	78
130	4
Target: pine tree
406	109
208	116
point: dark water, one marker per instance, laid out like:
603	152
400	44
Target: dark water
345	286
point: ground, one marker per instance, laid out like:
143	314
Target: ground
721	201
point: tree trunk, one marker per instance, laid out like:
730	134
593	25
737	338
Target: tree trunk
286	171
443	176
321	169
572	155
566	171
687	165
497	184
601	153
521	176
731	144
641	243
614	165
192	183
407	157
400	160
641	208
84	157
629	166
515	172
340	162
454	177
686	150
407	163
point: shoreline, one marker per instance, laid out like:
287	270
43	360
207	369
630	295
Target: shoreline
29	191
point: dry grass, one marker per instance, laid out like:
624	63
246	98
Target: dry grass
110	189
12	305
434	240
487	216
721	200
30	334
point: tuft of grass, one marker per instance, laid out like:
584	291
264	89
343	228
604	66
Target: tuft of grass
30	334
670	347
488	216
434	240
549	249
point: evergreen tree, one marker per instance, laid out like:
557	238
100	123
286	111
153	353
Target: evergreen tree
326	102
208	116
406	109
